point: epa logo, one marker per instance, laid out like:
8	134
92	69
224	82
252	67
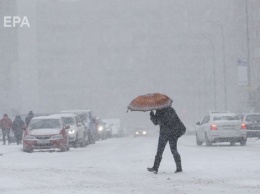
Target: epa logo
16	21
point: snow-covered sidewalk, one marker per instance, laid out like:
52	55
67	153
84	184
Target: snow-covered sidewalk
117	166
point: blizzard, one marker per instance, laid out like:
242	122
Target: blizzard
118	165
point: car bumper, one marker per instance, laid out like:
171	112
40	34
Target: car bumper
253	133
227	136
35	144
72	138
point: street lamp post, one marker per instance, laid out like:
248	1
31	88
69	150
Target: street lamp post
224	65
224	60
214	74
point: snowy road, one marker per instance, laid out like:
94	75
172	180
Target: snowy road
117	166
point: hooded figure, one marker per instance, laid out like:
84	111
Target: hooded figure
18	126
29	118
6	125
171	128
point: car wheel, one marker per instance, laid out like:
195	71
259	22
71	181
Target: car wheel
76	143
199	143
243	142
93	139
68	145
83	142
232	143
208	143
28	150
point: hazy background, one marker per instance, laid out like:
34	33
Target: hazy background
100	54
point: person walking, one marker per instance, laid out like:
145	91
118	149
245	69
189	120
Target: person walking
171	128
29	118
6	125
18	125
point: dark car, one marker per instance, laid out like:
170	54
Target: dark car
140	132
252	123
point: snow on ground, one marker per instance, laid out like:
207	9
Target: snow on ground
118	165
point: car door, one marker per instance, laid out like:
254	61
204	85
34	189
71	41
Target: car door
202	127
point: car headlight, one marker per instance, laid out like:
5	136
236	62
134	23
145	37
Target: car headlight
100	128
29	137
56	137
71	131
144	132
136	133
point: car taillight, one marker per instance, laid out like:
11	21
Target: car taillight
243	126
213	127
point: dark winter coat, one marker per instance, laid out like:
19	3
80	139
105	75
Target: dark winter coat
28	119
169	122
18	123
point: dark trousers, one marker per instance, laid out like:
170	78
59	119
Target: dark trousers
18	136
6	132
163	139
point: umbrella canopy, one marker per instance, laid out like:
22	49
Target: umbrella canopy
148	102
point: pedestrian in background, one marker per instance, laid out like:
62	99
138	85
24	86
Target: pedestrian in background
6	125
171	128
29	118
18	125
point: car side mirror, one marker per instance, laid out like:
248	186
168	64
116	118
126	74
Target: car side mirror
198	123
67	127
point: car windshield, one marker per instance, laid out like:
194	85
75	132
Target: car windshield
69	120
253	118
44	124
225	118
83	117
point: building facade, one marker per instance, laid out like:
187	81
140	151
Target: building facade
9	90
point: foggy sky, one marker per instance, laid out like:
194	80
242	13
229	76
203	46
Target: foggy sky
128	48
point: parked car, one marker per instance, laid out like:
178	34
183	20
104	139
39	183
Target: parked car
46	132
140	132
114	128
252	124
87	117
221	127
78	135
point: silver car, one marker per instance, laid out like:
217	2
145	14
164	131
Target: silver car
221	127
252	124
77	132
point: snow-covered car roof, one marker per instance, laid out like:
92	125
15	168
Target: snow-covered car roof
65	114
48	117
224	114
244	114
75	111
218	112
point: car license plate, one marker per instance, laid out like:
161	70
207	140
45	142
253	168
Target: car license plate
43	141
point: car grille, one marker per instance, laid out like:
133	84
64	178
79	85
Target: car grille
42	137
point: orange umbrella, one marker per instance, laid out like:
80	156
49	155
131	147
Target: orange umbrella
150	102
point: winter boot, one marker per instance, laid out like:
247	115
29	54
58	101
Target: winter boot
177	160
156	165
